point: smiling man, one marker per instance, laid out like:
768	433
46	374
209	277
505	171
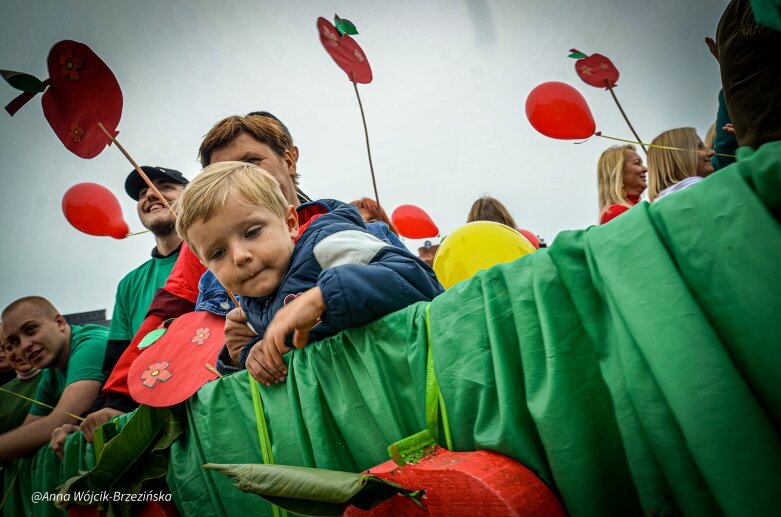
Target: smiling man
137	288
71	358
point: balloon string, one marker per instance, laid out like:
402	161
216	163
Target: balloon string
137	233
42	404
368	148
599	134
138	169
610	89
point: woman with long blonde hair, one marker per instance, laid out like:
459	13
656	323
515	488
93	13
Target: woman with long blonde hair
671	170
620	181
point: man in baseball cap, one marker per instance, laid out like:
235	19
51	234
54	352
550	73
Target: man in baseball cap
137	288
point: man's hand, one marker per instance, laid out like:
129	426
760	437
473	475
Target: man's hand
299	316
265	364
58	438
237	333
97	419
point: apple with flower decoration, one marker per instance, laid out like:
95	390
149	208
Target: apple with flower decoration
81	92
175	363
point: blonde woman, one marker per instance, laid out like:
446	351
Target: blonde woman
674	170
620	181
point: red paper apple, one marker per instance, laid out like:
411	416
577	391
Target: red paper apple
173	368
345	51
465	483
80	92
596	69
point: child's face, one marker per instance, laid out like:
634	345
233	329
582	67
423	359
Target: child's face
247	247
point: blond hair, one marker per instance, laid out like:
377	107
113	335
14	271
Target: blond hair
209	191
610	177
666	167
710	136
488	208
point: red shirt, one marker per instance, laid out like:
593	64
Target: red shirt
614	211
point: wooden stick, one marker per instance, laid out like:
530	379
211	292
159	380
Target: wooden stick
233	299
610	89
213	370
138	169
599	134
368	148
137	233
42	404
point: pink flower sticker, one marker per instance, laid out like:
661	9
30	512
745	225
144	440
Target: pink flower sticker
201	335
156	372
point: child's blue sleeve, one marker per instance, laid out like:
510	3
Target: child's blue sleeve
364	279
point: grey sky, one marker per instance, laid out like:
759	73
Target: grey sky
445	110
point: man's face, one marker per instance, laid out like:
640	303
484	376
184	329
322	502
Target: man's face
247	247
37	337
16	362
245	148
152	212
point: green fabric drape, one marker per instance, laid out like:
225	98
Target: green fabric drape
633	366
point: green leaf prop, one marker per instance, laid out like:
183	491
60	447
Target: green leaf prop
310	491
345	26
576	54
24	82
150	338
132	457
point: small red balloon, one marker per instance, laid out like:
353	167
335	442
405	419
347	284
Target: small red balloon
94	210
530	237
559	111
413	222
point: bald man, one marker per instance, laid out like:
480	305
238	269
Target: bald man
71	358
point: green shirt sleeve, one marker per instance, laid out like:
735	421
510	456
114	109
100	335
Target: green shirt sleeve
120	319
767	13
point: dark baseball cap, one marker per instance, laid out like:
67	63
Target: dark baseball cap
135	183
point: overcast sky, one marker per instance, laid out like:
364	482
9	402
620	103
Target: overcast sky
445	110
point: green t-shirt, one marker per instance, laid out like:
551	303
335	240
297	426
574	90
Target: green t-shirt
87	348
13	409
135	293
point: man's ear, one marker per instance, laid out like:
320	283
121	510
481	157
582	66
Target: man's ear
291	158
291	217
61	323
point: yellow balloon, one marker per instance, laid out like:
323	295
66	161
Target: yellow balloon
475	246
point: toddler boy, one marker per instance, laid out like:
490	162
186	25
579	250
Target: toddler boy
311	272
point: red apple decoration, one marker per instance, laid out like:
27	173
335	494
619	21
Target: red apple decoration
345	51
81	92
596	69
465	483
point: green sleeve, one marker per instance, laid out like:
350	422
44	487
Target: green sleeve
120	320
45	392
88	348
767	13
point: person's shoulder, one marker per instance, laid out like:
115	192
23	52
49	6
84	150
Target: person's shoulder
611	212
81	333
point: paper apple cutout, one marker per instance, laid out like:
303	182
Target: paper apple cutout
596	70
80	92
173	368
345	51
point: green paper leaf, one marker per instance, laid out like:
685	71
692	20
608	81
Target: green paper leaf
150	338
345	26
137	454
23	82
577	55
310	491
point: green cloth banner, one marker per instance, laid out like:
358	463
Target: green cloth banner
634	367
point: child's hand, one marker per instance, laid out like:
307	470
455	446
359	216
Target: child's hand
300	315
265	363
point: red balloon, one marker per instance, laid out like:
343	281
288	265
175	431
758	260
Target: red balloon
94	210
559	111
530	237
413	222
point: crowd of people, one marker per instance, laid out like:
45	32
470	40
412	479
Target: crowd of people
302	269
